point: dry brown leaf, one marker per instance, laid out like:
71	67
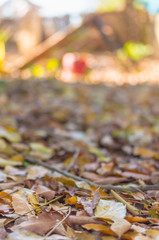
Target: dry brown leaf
37	172
155	177
45	192
108	238
146	153
136	175
120	227
76	235
9	185
25	235
40	224
3	233
12	171
81	220
20	204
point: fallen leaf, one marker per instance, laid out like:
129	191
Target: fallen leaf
45	192
40	224
81	220
155	177
110	210
20	204
25	235
37	172
6	162
120	227
138	228
146	153
12	137
100	228
3	233
77	235
41	148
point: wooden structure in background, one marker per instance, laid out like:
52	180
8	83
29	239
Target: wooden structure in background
98	32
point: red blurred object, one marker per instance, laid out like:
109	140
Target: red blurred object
74	63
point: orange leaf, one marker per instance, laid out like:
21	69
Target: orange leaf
135	219
100	228
72	200
2	195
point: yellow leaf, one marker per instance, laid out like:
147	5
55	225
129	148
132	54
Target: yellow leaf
5	162
12	137
146	153
154	234
17	158
66	181
41	148
34	202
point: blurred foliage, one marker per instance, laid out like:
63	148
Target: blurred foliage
3	39
111	5
138	5
38	71
52	64
44	69
2	54
3	36
134	51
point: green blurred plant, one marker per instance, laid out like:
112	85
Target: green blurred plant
134	51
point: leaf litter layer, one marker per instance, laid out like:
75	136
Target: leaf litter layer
60	144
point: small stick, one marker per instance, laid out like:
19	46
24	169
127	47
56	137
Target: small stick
8	194
131	208
119	188
74	158
59	223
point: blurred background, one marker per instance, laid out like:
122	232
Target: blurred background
95	41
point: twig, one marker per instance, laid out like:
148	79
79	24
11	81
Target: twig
43	205
131	208
74	158
131	188
8	194
59	223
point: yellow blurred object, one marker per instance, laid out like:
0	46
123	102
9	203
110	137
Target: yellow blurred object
2	53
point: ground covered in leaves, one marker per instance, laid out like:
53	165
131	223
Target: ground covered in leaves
107	136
